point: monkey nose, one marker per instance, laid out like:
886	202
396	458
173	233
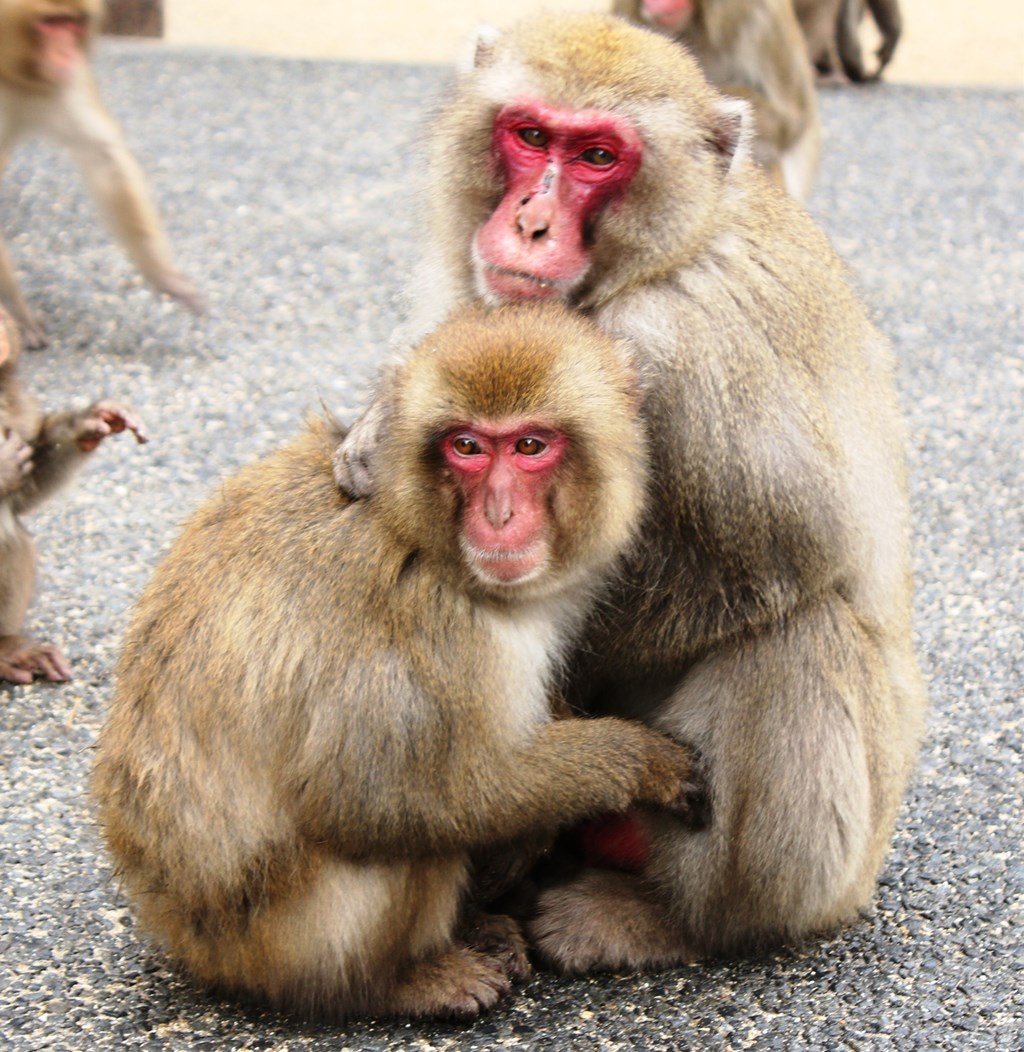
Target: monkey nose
533	219
498	510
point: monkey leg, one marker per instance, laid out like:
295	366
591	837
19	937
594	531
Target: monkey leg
32	332
345	939
808	731
22	658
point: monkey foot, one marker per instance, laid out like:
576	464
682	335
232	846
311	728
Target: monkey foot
22	660
499	939
458	985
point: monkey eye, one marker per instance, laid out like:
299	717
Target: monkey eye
598	156
466	446
530	447
533	137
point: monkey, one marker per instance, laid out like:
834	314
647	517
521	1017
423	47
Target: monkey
831	30
323	706
38	455
763	615
751	49
46	87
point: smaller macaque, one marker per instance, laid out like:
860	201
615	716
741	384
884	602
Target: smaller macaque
46	86
325	708
38	454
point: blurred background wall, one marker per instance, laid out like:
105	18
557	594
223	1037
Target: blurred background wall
944	41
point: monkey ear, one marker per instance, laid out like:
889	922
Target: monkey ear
481	48
732	130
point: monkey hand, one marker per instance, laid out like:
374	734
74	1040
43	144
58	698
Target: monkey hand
15	463
107	418
354	464
22	660
180	288
675	782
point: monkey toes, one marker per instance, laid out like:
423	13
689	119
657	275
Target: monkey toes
23	660
459	985
499	939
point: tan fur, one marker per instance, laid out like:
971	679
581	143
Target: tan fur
753	49
764	614
73	115
39	453
320	710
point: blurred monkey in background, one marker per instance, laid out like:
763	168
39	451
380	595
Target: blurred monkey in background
46	86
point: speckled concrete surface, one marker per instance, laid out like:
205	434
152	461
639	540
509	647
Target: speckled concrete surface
285	187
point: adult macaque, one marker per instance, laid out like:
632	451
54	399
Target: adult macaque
323	706
764	614
831	30
46	87
751	49
38	454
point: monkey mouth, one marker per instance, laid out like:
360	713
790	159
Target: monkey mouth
507	566
507	284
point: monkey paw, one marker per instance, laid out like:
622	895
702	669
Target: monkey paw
458	985
604	920
108	418
22	660
499	939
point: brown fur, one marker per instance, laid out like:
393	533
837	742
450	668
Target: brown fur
73	115
320	710
753	49
39	453
764	614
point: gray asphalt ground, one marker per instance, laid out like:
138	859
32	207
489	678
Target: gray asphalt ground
287	188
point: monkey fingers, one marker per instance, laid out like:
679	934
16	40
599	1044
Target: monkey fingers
22	660
108	418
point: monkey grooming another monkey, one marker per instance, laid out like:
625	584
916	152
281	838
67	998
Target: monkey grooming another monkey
322	706
38	454
763	614
46	86
753	50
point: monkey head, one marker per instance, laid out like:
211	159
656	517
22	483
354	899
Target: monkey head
530	457
44	43
579	156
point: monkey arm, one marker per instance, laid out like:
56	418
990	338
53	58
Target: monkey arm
64	442
568	771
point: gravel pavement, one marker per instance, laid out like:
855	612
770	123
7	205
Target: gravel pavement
287	190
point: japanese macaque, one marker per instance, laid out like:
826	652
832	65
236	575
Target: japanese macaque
46	87
38	454
751	49
763	615
323	706
831	30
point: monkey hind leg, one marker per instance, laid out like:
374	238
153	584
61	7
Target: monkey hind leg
605	920
345	940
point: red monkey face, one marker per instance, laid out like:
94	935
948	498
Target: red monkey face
673	16
505	475
560	169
